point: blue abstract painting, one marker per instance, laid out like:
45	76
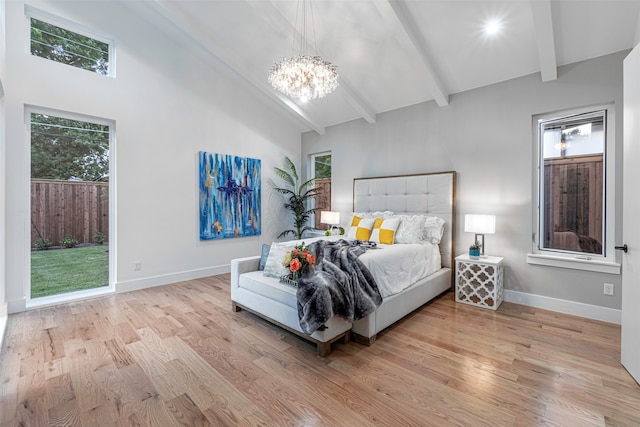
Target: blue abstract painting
229	196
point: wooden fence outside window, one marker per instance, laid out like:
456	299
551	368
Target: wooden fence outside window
61	208
574	203
323	201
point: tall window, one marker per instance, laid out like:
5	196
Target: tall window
69	205
321	171
51	40
572	174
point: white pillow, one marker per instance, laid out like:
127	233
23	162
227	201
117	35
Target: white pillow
273	267
376	214
384	230
434	229
410	229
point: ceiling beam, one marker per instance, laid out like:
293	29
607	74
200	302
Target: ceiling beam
543	28
636	38
163	8
352	96
401	11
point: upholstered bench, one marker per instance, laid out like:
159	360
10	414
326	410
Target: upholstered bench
276	302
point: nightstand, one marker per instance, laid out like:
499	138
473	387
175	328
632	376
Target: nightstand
479	281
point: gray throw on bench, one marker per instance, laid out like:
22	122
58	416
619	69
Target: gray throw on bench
338	285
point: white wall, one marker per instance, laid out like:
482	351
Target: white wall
168	102
3	180
486	136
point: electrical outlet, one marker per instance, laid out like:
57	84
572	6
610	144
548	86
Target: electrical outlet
608	289
137	265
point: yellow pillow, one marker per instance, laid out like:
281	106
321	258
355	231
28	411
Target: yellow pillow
384	230
360	228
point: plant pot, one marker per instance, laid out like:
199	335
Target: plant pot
474	253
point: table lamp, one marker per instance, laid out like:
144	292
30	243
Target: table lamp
330	218
480	225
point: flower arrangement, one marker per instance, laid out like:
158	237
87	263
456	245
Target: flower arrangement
297	259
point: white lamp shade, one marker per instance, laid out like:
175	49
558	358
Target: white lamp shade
331	218
480	224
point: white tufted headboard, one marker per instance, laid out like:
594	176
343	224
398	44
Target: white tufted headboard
429	193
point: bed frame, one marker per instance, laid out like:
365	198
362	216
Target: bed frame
432	193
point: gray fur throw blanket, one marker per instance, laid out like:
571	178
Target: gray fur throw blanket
338	285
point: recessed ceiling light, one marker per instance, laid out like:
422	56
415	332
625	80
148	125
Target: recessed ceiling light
493	27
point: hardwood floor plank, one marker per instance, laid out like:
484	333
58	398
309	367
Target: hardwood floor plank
177	355
126	333
65	414
121	357
186	412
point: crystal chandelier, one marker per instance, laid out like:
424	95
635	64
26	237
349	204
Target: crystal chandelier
304	76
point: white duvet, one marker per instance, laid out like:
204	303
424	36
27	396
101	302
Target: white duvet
395	267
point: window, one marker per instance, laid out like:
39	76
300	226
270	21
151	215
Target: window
59	43
575	206
321	171
70	209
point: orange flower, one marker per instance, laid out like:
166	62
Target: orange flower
295	265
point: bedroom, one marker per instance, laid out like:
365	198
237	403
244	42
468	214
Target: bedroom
167	108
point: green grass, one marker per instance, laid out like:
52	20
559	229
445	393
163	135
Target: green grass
57	271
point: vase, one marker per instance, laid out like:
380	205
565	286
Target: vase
291	279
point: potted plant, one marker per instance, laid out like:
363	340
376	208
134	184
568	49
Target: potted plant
297	198
474	250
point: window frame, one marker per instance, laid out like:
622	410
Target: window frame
605	263
112	238
49	18
312	174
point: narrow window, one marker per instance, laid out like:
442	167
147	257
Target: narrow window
321	171
52	41
572	177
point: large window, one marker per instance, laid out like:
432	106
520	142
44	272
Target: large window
574	203
70	210
60	42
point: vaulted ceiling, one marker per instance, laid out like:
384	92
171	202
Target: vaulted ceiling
395	53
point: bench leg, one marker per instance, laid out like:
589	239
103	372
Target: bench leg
324	348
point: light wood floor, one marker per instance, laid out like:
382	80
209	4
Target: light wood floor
178	355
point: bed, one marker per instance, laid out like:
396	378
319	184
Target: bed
431	194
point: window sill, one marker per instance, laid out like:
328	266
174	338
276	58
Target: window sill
573	263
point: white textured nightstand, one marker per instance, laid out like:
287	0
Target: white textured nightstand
479	281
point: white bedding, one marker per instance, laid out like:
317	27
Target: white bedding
394	267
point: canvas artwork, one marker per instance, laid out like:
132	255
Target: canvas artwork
229	196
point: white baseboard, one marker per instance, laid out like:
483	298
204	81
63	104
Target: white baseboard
16	306
165	279
610	315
